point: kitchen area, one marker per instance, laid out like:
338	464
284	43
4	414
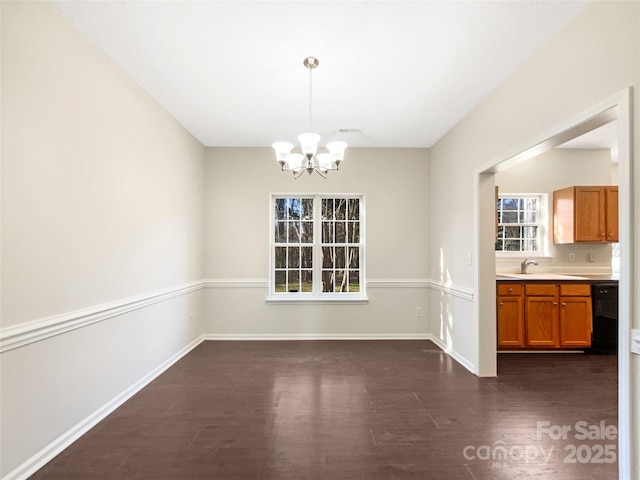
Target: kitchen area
557	251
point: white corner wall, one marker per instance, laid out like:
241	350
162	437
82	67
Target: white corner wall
239	182
102	200
594	58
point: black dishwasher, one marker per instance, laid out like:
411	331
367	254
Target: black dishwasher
604	298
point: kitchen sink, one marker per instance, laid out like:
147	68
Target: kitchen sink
541	276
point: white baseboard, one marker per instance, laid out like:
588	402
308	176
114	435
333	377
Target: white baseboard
41	458
317	336
455	355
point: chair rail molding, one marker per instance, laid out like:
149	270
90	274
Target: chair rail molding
34	331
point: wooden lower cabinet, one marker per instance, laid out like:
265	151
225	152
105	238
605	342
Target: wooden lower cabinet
543	316
575	316
541	322
510	313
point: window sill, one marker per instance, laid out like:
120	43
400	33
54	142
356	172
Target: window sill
519	256
308	300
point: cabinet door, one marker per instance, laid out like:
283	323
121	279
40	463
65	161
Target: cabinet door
575	321
589	214
611	223
541	321
510	322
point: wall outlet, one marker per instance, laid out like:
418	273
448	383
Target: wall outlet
572	257
418	311
591	257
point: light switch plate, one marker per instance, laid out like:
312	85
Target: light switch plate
635	342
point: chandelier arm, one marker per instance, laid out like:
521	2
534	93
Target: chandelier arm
321	173
296	175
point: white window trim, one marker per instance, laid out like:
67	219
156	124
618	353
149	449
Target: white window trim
318	297
543	234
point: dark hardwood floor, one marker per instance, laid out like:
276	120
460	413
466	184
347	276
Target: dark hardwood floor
369	410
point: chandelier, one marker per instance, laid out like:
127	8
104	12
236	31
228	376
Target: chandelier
309	161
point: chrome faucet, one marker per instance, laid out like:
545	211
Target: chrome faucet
526	262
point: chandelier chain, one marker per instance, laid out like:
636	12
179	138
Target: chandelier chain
310	98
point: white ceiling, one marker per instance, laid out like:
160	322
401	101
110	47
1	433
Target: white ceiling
404	72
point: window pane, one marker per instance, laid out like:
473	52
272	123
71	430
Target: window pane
499	244
294	257
530	232
280	232
306	232
528	217
354	281
341	232
353	232
327	257
512	232
512	245
531	204
327	232
529	245
281	280
294	232
307	281
281	257
327	281
510	217
340	257
354	257
307	209
294	280
511	203
293	208
354	209
327	209
340	208
280	209
340	285
306	260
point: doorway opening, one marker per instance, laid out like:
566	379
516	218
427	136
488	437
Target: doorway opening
615	109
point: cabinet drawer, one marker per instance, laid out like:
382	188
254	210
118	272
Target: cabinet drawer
540	289
509	289
578	290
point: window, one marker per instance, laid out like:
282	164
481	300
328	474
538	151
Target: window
317	247
520	223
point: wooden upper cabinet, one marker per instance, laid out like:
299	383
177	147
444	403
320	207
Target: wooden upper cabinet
585	214
611	213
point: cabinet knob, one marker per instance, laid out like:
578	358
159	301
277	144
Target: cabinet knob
564	304
510	290
555	304
501	304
